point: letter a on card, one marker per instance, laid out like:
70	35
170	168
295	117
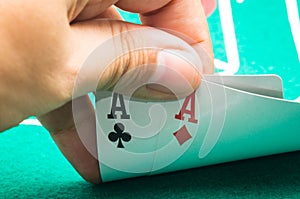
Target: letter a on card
115	108
190	100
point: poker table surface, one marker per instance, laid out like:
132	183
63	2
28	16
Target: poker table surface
31	166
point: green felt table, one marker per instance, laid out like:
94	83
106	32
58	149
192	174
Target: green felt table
31	166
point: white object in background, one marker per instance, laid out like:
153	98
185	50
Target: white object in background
31	122
231	48
293	16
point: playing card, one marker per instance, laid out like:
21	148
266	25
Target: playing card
145	122
268	85
213	125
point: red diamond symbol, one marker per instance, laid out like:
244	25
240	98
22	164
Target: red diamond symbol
182	135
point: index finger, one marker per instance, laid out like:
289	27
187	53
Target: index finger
184	18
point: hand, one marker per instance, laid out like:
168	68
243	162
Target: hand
57	40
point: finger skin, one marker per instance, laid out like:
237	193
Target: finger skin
93	8
184	18
144	6
110	13
47	70
209	6
187	18
79	149
76	139
31	66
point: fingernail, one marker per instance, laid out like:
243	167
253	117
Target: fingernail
176	73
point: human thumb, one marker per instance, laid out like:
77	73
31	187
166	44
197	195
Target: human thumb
133	60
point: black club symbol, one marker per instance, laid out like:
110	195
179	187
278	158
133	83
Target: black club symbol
120	135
